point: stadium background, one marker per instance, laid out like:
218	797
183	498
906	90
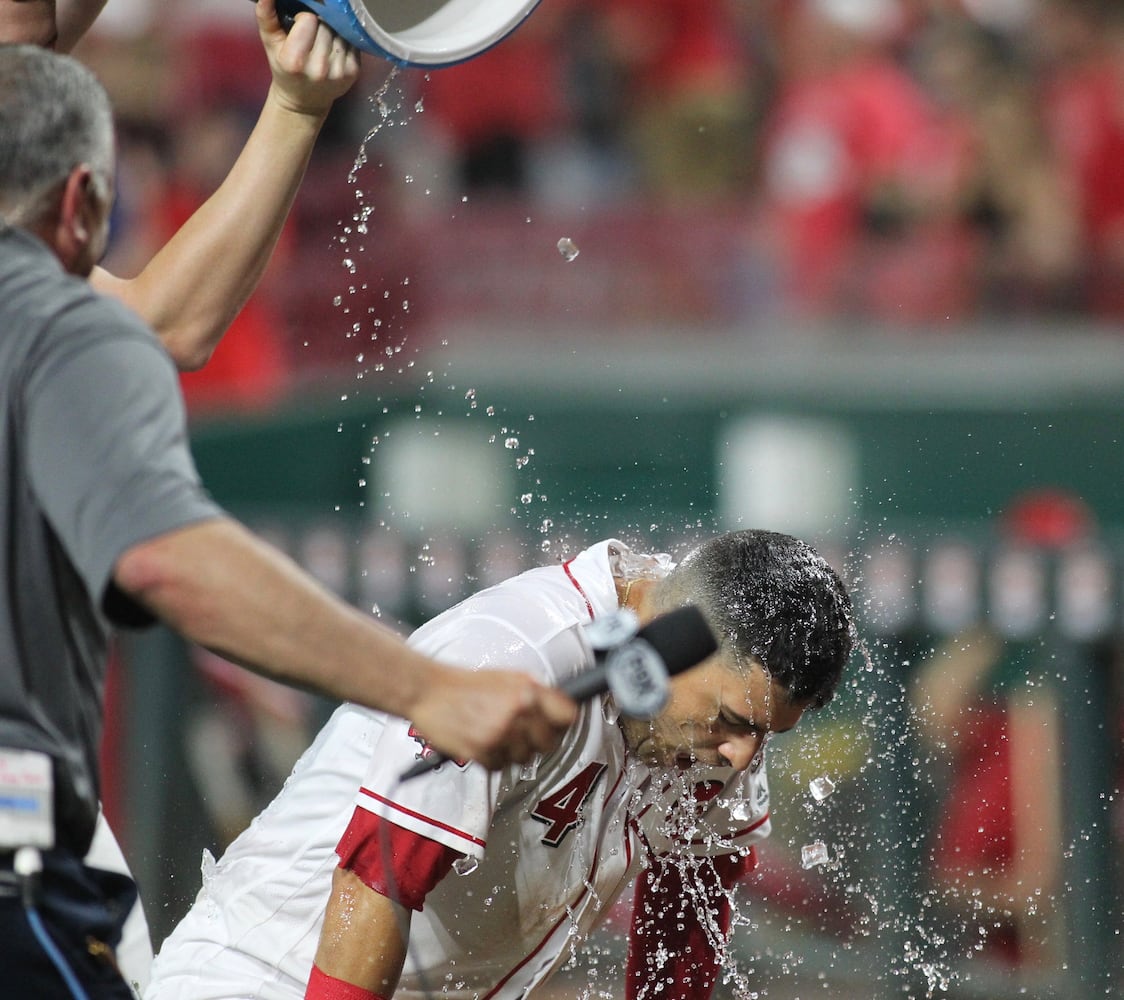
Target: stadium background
848	269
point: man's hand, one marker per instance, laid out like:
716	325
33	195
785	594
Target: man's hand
311	64
493	716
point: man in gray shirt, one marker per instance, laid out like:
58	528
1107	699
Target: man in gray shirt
105	523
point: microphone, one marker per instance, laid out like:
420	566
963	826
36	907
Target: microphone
632	663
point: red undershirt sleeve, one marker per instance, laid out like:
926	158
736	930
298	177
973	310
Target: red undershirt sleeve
397	863
669	955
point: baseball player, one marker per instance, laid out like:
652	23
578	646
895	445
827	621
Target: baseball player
356	884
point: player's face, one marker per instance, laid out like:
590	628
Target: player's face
28	22
717	715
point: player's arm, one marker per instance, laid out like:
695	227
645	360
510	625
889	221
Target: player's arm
362	943
220	586
671	955
195	285
949	680
385	873
73	19
1017	887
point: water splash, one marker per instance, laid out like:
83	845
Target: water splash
568	249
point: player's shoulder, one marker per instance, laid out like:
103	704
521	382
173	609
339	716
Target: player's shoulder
525	616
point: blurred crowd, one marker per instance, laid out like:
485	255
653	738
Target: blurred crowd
893	162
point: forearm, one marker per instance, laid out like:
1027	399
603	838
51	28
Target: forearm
221	587
950	680
363	940
195	285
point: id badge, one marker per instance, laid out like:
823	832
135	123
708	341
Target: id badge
26	800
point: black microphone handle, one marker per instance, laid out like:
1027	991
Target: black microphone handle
681	637
587	684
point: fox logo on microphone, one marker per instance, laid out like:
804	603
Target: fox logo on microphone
638	679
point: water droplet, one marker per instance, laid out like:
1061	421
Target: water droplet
567	248
740	810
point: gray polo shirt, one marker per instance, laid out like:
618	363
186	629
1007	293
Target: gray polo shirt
93	460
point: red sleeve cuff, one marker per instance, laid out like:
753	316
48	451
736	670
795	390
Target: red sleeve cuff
321	986
397	863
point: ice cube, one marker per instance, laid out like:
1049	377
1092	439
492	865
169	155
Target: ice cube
466	864
814	854
821	787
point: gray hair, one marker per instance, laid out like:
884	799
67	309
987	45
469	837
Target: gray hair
54	115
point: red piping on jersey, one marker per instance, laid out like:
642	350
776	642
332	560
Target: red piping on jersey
616	785
549	934
573	579
422	817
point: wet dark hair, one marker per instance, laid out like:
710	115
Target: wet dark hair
773	597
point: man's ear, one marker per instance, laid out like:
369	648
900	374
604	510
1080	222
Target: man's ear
72	229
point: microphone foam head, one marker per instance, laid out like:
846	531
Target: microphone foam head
682	638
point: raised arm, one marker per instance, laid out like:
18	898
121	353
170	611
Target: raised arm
220	586
196	284
74	18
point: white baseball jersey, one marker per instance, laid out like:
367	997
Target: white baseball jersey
546	849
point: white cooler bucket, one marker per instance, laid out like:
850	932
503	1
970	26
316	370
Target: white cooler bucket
430	33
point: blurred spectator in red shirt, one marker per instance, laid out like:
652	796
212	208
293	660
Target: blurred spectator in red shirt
1011	187
494	108
838	139
692	90
1079	45
988	707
